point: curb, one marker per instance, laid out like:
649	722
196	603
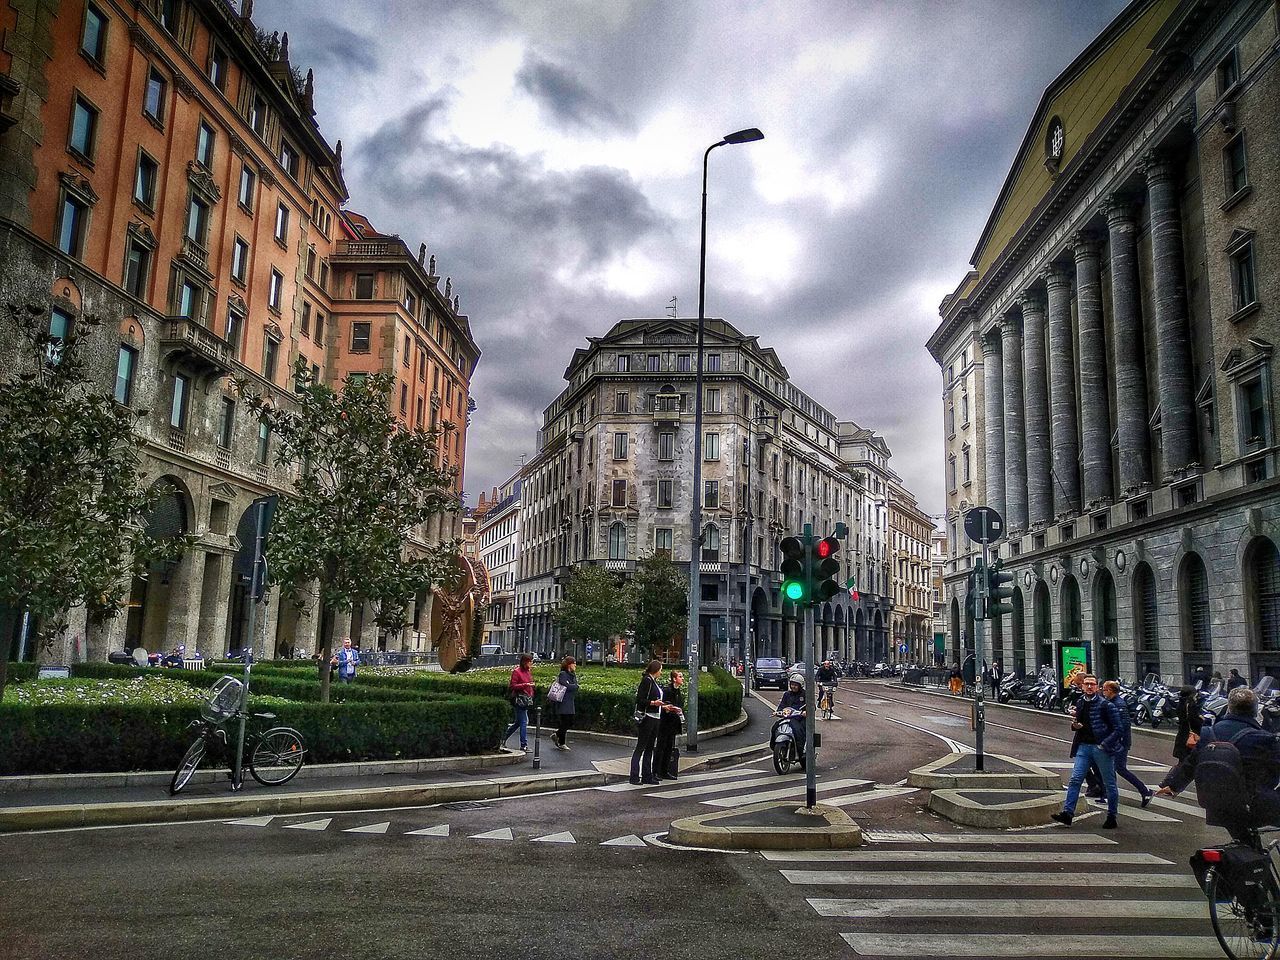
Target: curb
1171	734
622	739
934	776
161	778
837	831
1023	808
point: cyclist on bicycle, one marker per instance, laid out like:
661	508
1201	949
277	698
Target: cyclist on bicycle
1229	803
826	678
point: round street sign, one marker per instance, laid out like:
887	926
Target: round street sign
983	525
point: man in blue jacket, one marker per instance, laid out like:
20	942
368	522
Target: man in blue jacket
1099	737
346	661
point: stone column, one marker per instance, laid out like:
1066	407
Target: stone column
215	605
1014	417
1062	375
1095	422
185	591
993	401
1173	343
1134	437
1036	387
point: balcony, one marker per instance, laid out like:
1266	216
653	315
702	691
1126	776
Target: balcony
710	566
620	566
195	345
371	249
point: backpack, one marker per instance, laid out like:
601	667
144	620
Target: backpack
1220	781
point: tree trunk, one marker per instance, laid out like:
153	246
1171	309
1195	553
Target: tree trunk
10	619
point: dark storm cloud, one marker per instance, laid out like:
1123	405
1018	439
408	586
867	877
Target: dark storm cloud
326	45
565	98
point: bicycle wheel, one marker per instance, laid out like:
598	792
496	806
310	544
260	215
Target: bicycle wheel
190	761
277	757
1246	932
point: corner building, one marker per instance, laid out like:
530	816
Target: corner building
161	167
1119	321
611	482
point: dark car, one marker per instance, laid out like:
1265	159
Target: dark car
770	673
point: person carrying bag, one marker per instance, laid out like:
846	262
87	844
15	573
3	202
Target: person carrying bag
648	714
562	694
520	692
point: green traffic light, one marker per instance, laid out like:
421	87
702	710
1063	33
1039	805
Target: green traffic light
794	590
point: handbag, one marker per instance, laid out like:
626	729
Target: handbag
556	692
523	701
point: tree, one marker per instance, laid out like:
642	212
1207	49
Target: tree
661	594
594	607
72	496
365	482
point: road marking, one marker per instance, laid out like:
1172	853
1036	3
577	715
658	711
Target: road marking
440	831
1055	838
878	909
371	828
964	856
797	791
630	840
1069	765
1031	945
565	837
310	824
694	777
881	793
894	836
502	833
252	821
1136	813
706	788
938	878
954	745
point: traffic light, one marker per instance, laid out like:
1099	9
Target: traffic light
974	605
794	586
999	591
825	568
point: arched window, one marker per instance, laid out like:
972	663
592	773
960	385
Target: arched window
1146	635
1072	622
1264	578
618	541
1043	626
710	543
1194	594
1017	634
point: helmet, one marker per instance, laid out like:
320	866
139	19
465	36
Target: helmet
796	678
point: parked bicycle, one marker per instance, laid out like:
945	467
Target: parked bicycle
275	754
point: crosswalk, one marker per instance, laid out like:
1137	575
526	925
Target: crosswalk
979	894
743	786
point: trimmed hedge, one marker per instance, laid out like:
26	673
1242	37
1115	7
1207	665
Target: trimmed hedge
74	739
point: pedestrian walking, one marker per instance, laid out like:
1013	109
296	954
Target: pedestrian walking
347	659
993	678
565	707
648	714
1188	722
1235	680
520	691
956	683
1111	690
1097	740
666	763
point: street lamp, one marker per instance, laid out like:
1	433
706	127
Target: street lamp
695	526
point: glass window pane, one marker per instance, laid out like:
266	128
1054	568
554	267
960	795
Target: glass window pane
125	364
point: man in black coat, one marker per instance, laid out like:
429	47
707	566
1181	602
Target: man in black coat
1098	739
665	756
1260	756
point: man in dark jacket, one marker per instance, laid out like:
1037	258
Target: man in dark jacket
1259	755
665	762
1098	739
1235	680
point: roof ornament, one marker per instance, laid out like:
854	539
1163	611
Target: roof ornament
284	46
455	305
246	9
431	270
448	287
422	253
273	46
337	152
309	92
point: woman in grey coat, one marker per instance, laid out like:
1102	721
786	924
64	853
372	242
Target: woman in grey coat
565	709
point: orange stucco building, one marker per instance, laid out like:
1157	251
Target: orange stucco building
161	167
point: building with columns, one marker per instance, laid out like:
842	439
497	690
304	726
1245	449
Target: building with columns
162	168
611	483
1123	295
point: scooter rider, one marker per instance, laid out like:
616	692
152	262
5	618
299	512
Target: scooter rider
794	700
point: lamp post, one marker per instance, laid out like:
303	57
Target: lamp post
693	633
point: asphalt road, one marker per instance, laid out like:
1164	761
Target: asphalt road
572	874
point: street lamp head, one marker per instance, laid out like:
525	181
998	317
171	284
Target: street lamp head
744	136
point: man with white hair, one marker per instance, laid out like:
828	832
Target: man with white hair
1235	766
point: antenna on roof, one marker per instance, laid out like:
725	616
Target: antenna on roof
521	459
673	306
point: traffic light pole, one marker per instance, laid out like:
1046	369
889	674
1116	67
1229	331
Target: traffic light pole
979	629
810	764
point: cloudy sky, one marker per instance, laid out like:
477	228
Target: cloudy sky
549	153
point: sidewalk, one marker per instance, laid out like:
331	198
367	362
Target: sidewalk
588	762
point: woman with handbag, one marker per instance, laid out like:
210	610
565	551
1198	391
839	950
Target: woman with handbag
1188	723
648	713
520	690
562	694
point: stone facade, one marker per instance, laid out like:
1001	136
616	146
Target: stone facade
498	540
162	169
1128	282
910	549
611	482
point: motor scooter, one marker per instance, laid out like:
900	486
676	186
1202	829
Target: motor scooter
787	746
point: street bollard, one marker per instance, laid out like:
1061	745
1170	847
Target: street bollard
537	736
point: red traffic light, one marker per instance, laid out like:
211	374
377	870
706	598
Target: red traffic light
827	547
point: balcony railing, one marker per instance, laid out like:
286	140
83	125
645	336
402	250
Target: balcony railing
196	344
620	566
371	249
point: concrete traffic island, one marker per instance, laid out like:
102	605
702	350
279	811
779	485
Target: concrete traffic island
957	771
996	809
775	825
